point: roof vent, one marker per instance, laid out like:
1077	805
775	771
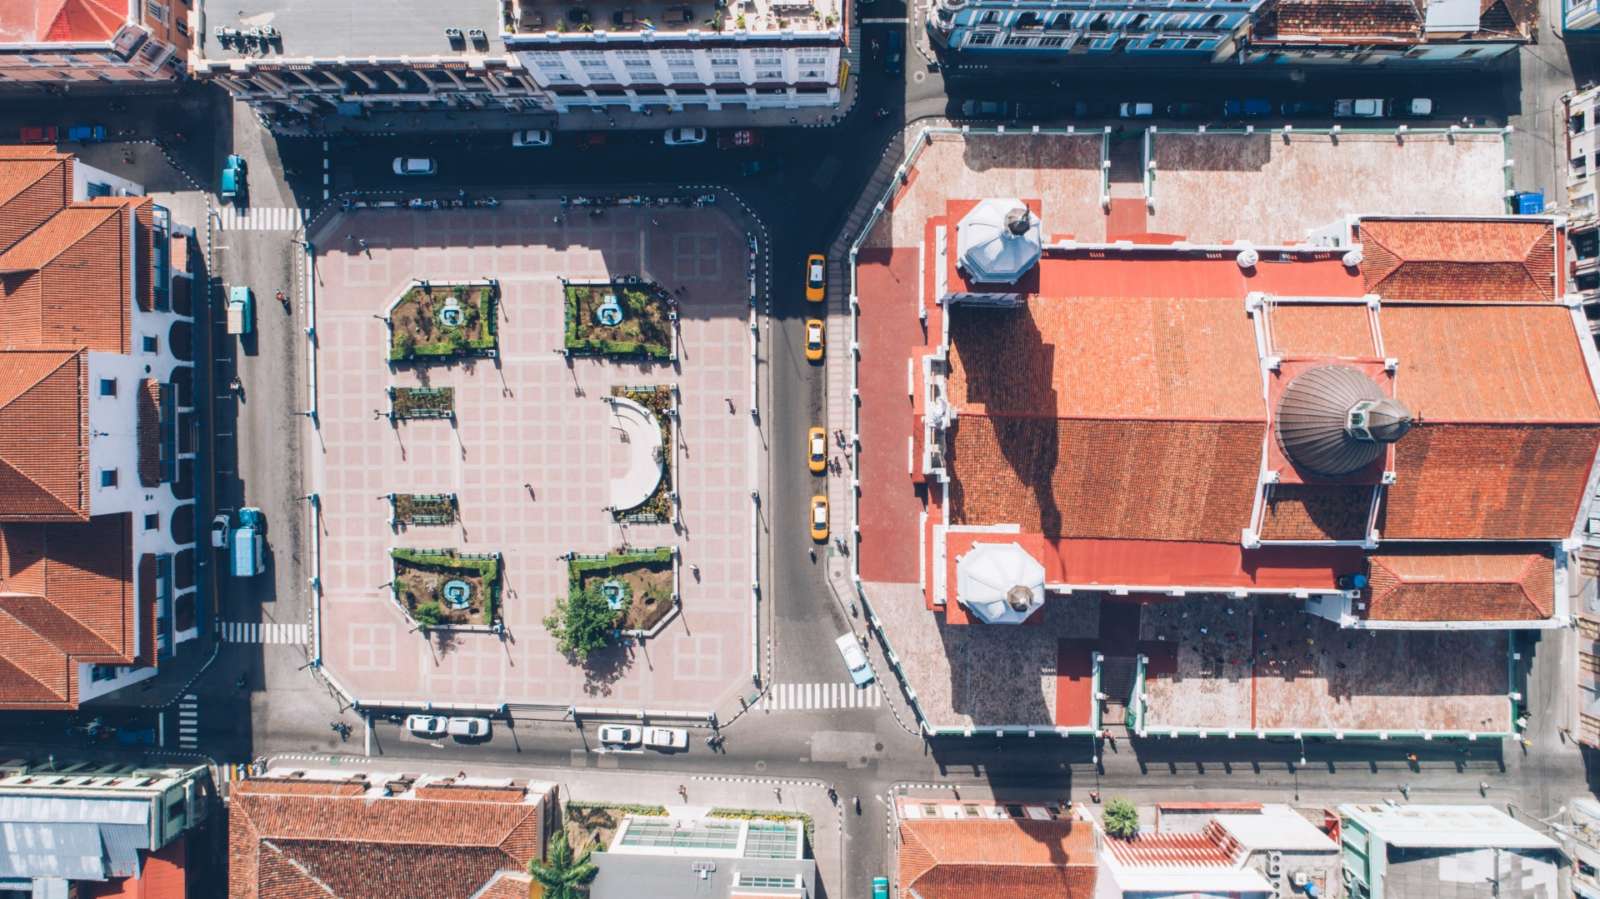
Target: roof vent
1333	420
1017	220
1020	598
1247	258
1352	258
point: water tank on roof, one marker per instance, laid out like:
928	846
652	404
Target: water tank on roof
1333	420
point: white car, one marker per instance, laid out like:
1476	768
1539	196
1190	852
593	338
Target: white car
414	165
668	739
426	725
619	735
471	728
532	137
219	531
1358	109
854	660
683	137
1137	110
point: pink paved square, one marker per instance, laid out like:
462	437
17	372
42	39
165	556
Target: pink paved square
530	419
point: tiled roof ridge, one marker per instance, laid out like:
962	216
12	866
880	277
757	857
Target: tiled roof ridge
921	859
22	613
46	169
30	670
297	865
488	841
1153	419
1387	262
75	507
1388	581
62	25
105	212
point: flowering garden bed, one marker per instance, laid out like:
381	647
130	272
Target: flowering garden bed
443	321
644	327
422	585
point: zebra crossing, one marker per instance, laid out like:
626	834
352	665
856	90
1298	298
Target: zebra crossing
809	697
189	722
263	632
261	218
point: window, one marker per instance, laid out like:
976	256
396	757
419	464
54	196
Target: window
177	809
152	522
990	17
108	386
183	27
1052	41
768	881
1212	22
1062	22
156	10
150	344
1018	40
981	38
108	477
1029	19
1138	22
102	672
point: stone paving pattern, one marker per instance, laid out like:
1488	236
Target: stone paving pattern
1308	672
1221	188
533	452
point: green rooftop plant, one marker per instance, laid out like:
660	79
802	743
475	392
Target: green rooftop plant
1121	819
428	614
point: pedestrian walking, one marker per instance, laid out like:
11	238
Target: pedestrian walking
683	792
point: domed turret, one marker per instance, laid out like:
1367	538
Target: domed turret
1333	420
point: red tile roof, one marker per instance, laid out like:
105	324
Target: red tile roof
1320	330
33	187
1456	584
1316	512
508	885
1138	480
1458	261
1186	850
1339	19
44	445
66	597
60	21
997	859
67	282
359	848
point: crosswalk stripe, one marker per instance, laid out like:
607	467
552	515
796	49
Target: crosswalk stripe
786	697
263	632
262	218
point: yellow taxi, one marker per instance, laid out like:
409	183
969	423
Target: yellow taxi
816	339
816	277
817	450
819	519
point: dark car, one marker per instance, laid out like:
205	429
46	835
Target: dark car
1090	109
894	53
1188	110
1248	108
985	109
1305	108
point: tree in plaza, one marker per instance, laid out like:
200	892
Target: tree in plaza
404	344
427	614
561	875
583	622
1121	818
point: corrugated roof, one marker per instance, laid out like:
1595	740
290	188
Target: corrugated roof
997	858
1458	261
1460	584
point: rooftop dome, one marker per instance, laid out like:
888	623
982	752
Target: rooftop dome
1333	420
1000	583
998	241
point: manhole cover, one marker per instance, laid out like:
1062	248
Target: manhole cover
761	766
877	747
919	77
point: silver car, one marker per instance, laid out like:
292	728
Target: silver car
426	725
468	728
620	736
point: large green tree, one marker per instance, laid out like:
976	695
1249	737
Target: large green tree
583	622
1121	818
561	875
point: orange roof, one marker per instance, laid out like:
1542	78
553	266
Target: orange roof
162	877
1107	357
1341	330
60	21
67	282
355	846
44	456
1335	19
33	187
66	597
1186	850
1450	584
1008	858
1458	260
1150	480
1317	512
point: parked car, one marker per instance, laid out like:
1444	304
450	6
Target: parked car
1358	109
620	735
739	139
855	661
1089	109
1414	108
414	165
1136	110
816	277
986	109
468	728
426	725
1247	108
683	137
816	338
819	518
894	52
1188	110
219	531
817	450
233	178
86	134
532	137
667	739
880	888
1303	108
39	134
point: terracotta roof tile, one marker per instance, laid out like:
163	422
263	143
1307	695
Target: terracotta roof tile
297	787
60	21
470	794
508	885
43	436
1452	584
1187	850
67	282
1107	357
1150	480
1321	330
1488	482
1314	512
31	191
379	848
997	859
1458	261
1286	19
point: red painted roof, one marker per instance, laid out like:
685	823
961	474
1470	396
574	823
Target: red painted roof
1007	858
1457	584
1457	261
1179	850
60	21
1320	330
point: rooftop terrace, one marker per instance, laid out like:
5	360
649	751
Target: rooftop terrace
328	29
629	18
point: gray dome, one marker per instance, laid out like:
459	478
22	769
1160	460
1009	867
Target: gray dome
1333	420
998	241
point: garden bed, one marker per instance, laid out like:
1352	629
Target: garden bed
592	826
658	507
422	402
420	576
420	328
423	508
646	325
646	577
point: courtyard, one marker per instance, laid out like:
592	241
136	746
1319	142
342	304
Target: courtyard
502	446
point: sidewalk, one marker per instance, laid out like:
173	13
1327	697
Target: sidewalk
609	785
